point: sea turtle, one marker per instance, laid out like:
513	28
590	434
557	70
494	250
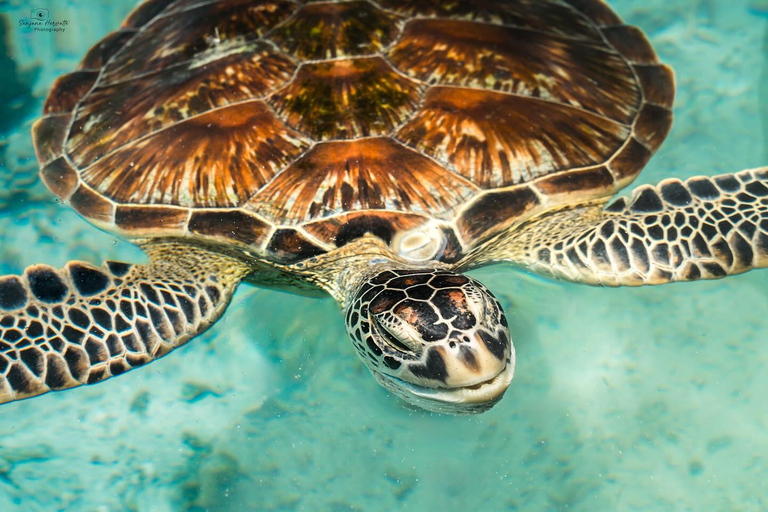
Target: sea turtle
372	150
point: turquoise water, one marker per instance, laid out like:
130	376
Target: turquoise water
628	399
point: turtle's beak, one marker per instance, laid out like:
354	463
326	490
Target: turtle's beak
471	399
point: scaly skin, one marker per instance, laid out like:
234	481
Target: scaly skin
703	228
82	324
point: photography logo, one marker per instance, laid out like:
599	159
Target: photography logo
40	21
39	14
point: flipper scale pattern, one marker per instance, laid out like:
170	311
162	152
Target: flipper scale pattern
701	228
82	324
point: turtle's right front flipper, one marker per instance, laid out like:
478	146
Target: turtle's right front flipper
82	324
701	228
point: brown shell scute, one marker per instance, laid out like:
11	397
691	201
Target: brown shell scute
60	177
344	99
220	158
534	64
495	208
89	204
496	139
175	38
364	174
234	225
294	127
246	71
529	14
49	135
100	54
146	219
327	30
72	88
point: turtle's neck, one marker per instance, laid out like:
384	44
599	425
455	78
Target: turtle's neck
342	271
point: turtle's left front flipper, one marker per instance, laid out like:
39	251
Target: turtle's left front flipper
82	324
702	228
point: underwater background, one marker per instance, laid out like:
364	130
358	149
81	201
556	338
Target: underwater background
624	399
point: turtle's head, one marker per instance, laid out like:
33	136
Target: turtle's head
437	339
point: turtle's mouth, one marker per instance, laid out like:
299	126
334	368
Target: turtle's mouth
472	399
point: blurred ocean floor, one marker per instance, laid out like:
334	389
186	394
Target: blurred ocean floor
628	399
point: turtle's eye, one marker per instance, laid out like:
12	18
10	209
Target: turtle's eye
476	303
394	332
